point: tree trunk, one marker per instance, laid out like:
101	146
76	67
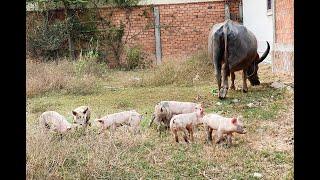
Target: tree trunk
70	37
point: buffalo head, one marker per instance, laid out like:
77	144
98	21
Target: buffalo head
252	74
252	71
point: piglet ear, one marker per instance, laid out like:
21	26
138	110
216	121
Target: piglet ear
74	113
85	110
101	121
234	120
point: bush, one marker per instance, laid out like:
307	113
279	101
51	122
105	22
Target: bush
45	39
136	58
90	65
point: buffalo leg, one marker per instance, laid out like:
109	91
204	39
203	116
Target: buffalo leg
244	82
232	81
225	85
217	67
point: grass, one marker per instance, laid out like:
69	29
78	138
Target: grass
147	156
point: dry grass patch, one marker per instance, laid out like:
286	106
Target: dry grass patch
150	156
64	76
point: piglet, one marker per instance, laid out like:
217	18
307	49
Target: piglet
165	110
81	116
55	122
222	125
186	122
131	118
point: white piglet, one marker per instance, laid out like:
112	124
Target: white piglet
131	118
165	110
222	125
53	121
186	122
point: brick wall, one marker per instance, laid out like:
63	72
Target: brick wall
139	28
283	55
184	27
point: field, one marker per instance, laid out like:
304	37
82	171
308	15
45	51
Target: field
266	149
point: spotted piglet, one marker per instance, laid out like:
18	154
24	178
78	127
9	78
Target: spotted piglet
222	125
81	116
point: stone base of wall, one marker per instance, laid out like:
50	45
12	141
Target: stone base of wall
283	58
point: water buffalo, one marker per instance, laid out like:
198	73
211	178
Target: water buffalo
232	47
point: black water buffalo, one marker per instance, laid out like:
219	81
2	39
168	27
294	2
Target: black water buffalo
232	47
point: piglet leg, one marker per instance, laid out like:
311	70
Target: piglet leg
185	136
175	133
229	138
209	134
219	137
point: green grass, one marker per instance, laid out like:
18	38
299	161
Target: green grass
146	155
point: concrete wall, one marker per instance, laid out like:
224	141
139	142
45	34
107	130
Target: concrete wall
260	22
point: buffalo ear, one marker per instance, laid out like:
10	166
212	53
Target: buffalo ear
74	113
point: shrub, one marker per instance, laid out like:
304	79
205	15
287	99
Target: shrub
45	39
90	65
136	58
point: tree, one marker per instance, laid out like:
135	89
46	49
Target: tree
67	5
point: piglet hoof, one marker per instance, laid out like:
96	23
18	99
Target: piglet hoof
186	140
232	88
227	145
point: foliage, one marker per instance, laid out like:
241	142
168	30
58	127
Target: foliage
112	39
89	63
125	3
134	57
47	38
81	26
